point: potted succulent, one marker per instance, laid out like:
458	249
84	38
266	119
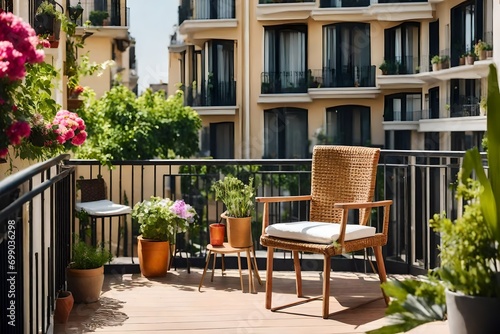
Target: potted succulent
465	289
159	219
239	200
85	273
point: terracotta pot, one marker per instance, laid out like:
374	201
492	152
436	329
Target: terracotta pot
64	305
461	61
85	284
217	232
239	231
154	257
469	60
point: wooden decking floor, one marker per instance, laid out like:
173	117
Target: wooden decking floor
172	304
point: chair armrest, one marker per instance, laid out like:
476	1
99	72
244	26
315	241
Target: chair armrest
386	204
276	199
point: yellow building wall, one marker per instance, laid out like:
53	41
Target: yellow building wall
99	50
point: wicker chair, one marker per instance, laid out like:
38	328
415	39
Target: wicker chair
343	179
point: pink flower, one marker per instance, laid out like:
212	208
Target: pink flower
3	152
79	139
16	131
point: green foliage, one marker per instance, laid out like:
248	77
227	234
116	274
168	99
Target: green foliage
89	257
158	219
123	127
237	196
97	16
46	7
414	302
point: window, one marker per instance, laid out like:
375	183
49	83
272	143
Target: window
348	125
465	97
402	48
403	107
221	88
285	133
285	59
346	55
222	140
466	28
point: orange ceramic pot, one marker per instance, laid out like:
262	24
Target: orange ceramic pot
239	231
154	257
217	232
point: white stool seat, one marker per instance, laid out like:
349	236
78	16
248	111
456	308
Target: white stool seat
103	208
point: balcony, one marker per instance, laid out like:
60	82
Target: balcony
396	120
372	10
400	72
218	94
47	190
199	15
276	10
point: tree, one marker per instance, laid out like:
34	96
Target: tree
123	127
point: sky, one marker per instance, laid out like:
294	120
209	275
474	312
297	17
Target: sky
151	24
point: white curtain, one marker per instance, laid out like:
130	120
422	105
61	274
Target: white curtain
292	57
202	9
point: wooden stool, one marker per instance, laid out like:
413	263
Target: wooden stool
227	249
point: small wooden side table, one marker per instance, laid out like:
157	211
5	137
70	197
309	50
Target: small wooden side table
227	249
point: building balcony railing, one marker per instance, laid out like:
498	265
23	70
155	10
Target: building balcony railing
464	110
101	13
408	116
222	93
347	76
401	65
206	10
284	82
359	3
417	182
263	2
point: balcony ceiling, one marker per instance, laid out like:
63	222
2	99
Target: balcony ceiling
378	12
106	31
344	93
284	11
400	81
477	71
284	98
216	111
470	123
191	26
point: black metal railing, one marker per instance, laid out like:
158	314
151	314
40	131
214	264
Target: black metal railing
464	110
283	1
35	221
284	82
346	76
7	5
343	3
400	65
212	94
101	12
184	11
408	116
404	176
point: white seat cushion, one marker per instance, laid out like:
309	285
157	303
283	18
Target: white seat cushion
103	208
321	233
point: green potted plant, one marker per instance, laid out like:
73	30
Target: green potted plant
384	67
239	200
480	50
445	61
159	220
85	273
470	58
97	17
48	22
469	274
489	50
436	63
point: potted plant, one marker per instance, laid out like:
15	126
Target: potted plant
48	22
97	17
85	273
159	219
462	59
480	50
489	50
445	62
239	200
470	57
436	63
384	67
468	290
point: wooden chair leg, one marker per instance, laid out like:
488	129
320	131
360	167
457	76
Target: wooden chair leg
326	286
298	274
255	268
239	270
381	269
269	277
204	270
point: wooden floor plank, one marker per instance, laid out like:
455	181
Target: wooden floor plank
172	304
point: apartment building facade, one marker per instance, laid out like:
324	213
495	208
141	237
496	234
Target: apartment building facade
272	78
